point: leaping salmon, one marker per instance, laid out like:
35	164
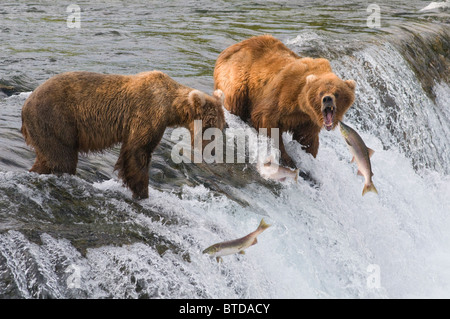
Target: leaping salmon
361	154
278	173
237	245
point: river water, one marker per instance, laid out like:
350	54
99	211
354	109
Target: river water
83	236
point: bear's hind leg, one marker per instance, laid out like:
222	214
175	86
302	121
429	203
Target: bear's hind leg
56	161
54	138
67	163
40	166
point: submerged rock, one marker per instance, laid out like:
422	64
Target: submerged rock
7	90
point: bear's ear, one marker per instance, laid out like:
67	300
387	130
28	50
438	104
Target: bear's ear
197	98
219	95
311	78
351	84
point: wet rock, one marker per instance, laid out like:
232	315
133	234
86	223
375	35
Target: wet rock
7	90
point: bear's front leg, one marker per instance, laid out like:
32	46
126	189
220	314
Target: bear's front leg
285	159
308	137
135	155
133	165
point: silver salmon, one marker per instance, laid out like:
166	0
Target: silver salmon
236	245
361	154
278	173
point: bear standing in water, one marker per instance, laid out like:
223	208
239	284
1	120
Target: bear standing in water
268	84
86	112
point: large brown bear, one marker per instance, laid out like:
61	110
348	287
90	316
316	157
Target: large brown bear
83	111
268	84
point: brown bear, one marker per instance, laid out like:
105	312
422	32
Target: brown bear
268	84
87	112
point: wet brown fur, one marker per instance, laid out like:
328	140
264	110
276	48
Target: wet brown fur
87	112
266	83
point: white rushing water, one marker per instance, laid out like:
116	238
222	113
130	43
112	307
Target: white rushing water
326	240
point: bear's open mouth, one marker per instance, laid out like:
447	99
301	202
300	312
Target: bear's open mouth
328	117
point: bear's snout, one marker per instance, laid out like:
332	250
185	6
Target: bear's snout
327	99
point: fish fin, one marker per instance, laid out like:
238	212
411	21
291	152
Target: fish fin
263	225
369	188
297	172
241	252
371	151
353	159
219	259
254	242
348	143
359	173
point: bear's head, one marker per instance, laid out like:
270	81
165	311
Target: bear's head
208	109
328	98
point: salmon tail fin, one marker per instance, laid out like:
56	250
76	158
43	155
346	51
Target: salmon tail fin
263	225
369	188
371	151
297	172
